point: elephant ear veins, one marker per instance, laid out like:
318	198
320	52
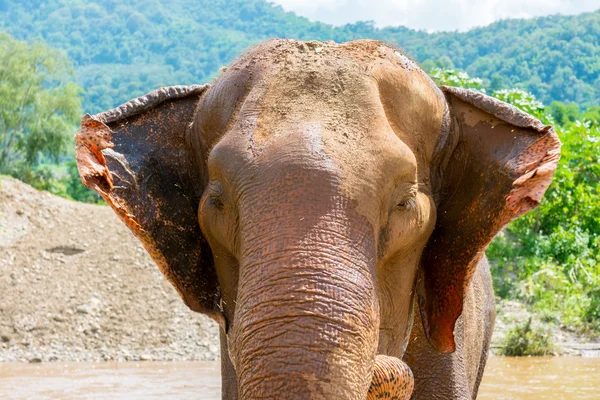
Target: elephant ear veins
500	164
137	158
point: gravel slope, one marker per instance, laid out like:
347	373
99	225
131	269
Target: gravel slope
75	285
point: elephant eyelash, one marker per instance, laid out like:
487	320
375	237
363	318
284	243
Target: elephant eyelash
408	203
215	197
216	202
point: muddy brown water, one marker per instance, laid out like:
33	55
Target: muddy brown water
505	378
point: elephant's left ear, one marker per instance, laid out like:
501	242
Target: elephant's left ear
496	164
138	158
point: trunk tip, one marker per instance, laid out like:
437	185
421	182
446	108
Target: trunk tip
392	379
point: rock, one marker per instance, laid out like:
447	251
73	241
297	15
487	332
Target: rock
145	357
83	309
94	327
58	318
5	338
35	360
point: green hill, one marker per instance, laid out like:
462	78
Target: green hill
122	49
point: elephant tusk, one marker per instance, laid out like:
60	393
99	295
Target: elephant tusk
392	379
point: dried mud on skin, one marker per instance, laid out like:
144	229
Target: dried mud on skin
75	285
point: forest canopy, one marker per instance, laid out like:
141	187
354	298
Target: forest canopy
122	49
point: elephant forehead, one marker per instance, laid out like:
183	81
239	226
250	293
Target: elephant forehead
363	107
348	86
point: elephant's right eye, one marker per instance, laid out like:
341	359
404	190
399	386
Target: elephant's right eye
406	203
215	195
216	202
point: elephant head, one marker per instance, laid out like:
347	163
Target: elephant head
305	197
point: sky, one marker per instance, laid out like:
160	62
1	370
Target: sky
432	15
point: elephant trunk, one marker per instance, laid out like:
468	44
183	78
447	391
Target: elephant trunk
307	319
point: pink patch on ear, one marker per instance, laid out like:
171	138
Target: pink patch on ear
93	137
535	166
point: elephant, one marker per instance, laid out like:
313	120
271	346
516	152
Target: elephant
314	196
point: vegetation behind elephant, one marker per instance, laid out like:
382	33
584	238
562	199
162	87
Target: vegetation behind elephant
309	197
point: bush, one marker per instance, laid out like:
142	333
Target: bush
592	313
525	340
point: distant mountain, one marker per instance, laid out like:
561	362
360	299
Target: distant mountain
122	49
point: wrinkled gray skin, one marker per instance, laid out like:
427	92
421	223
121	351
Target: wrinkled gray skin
310	198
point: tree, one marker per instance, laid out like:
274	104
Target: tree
525	101
497	83
592	115
450	77
186	42
564	114
39	104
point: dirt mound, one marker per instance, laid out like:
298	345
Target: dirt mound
75	285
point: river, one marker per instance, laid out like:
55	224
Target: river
505	378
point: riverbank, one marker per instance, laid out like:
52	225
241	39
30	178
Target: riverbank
510	313
77	286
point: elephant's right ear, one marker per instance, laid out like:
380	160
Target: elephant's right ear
138	158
